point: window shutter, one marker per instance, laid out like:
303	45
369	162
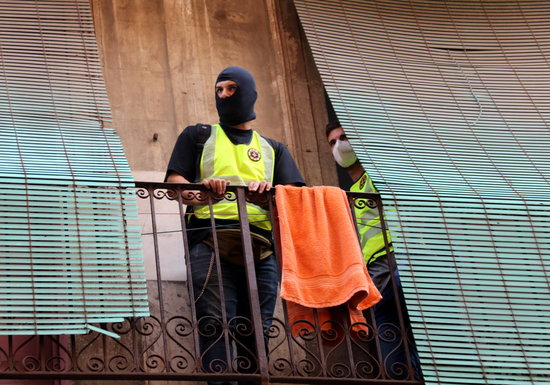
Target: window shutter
446	105
70	251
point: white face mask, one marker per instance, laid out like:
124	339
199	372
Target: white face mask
343	153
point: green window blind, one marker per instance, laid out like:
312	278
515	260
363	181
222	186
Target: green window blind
446	104
70	252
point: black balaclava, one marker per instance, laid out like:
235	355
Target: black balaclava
239	107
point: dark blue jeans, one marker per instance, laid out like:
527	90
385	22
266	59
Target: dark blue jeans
216	354
391	339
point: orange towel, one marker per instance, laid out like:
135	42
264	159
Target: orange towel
322	263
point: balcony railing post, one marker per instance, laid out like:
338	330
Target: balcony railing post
219	275
152	207
398	304
352	198
255	312
182	209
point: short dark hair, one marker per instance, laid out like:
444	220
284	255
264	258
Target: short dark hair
333	124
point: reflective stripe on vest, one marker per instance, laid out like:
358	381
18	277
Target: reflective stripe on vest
239	164
368	223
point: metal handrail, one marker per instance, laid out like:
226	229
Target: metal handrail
165	346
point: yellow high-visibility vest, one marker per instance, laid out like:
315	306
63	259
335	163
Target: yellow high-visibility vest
368	223
239	164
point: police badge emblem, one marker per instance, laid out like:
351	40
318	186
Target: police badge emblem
254	154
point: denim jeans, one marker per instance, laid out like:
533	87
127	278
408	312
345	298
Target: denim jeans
213	347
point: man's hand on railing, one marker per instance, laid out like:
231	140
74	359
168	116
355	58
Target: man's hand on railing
255	192
196	197
217	185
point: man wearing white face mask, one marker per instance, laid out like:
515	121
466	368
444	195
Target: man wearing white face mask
376	259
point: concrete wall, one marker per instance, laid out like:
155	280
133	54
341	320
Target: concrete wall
161	58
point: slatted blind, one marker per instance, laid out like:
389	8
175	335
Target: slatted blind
446	104
69	255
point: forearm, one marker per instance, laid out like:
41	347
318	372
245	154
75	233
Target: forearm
188	196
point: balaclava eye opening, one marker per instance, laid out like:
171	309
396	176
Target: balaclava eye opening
239	107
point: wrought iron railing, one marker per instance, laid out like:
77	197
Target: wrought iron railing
166	345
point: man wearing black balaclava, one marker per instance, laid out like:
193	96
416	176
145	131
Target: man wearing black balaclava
230	152
238	108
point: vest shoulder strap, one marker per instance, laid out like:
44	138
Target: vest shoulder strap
203	134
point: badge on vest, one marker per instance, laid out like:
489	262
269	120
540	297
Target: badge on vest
254	154
362	182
